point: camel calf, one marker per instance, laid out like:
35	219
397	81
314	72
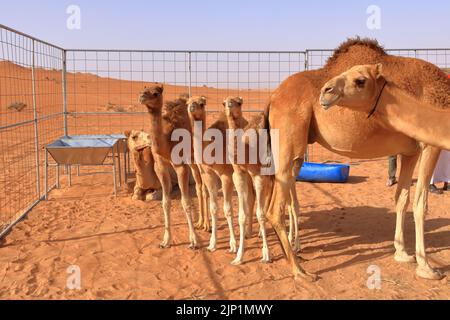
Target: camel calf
147	187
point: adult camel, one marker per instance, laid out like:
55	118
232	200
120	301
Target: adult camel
294	109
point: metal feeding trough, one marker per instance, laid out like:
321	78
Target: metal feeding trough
86	150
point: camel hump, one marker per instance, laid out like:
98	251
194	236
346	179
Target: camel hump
370	44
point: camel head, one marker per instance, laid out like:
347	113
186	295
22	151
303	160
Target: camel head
152	97
357	88
138	140
233	107
197	108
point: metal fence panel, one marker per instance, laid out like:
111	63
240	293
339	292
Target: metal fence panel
103	86
30	117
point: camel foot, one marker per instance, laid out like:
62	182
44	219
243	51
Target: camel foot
193	246
266	260
301	274
164	245
233	248
300	258
426	272
403	257
236	262
212	249
296	248
199	225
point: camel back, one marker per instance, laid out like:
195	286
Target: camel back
416	77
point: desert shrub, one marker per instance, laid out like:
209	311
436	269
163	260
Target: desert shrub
18	106
114	108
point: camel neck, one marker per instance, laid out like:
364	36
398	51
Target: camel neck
417	119
235	123
159	143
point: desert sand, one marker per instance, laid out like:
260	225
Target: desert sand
345	228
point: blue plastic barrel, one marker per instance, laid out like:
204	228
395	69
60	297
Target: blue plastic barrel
315	172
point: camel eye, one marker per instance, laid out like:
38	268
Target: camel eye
360	82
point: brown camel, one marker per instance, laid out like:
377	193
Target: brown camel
147	186
162	125
295	111
262	184
213	171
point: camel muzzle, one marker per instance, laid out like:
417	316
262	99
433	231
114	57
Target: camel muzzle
142	147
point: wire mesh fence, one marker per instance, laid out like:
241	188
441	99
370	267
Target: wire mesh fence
103	86
31	117
47	92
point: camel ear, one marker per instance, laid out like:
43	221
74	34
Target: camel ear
378	71
224	103
203	99
240	101
127	133
160	88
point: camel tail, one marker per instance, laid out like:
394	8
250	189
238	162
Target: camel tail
267	127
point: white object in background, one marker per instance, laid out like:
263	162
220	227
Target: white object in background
442	170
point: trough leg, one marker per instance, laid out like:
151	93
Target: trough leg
69	173
119	162
58	184
46	175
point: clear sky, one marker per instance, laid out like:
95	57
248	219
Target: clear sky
229	24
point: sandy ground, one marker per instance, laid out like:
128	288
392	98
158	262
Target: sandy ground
344	230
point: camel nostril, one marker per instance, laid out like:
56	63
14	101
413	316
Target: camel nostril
328	89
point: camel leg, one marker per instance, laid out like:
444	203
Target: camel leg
291	225
199	189
294	217
250	207
206	201
280	195
402	197
213	190
183	183
241	184
430	156
294	210
261	185
163	174
227	189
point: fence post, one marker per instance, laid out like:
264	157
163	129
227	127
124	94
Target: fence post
306	60
306	69
190	73
64	91
35	120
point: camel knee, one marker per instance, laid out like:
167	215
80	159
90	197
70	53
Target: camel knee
242	219
227	210
186	203
260	215
166	204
